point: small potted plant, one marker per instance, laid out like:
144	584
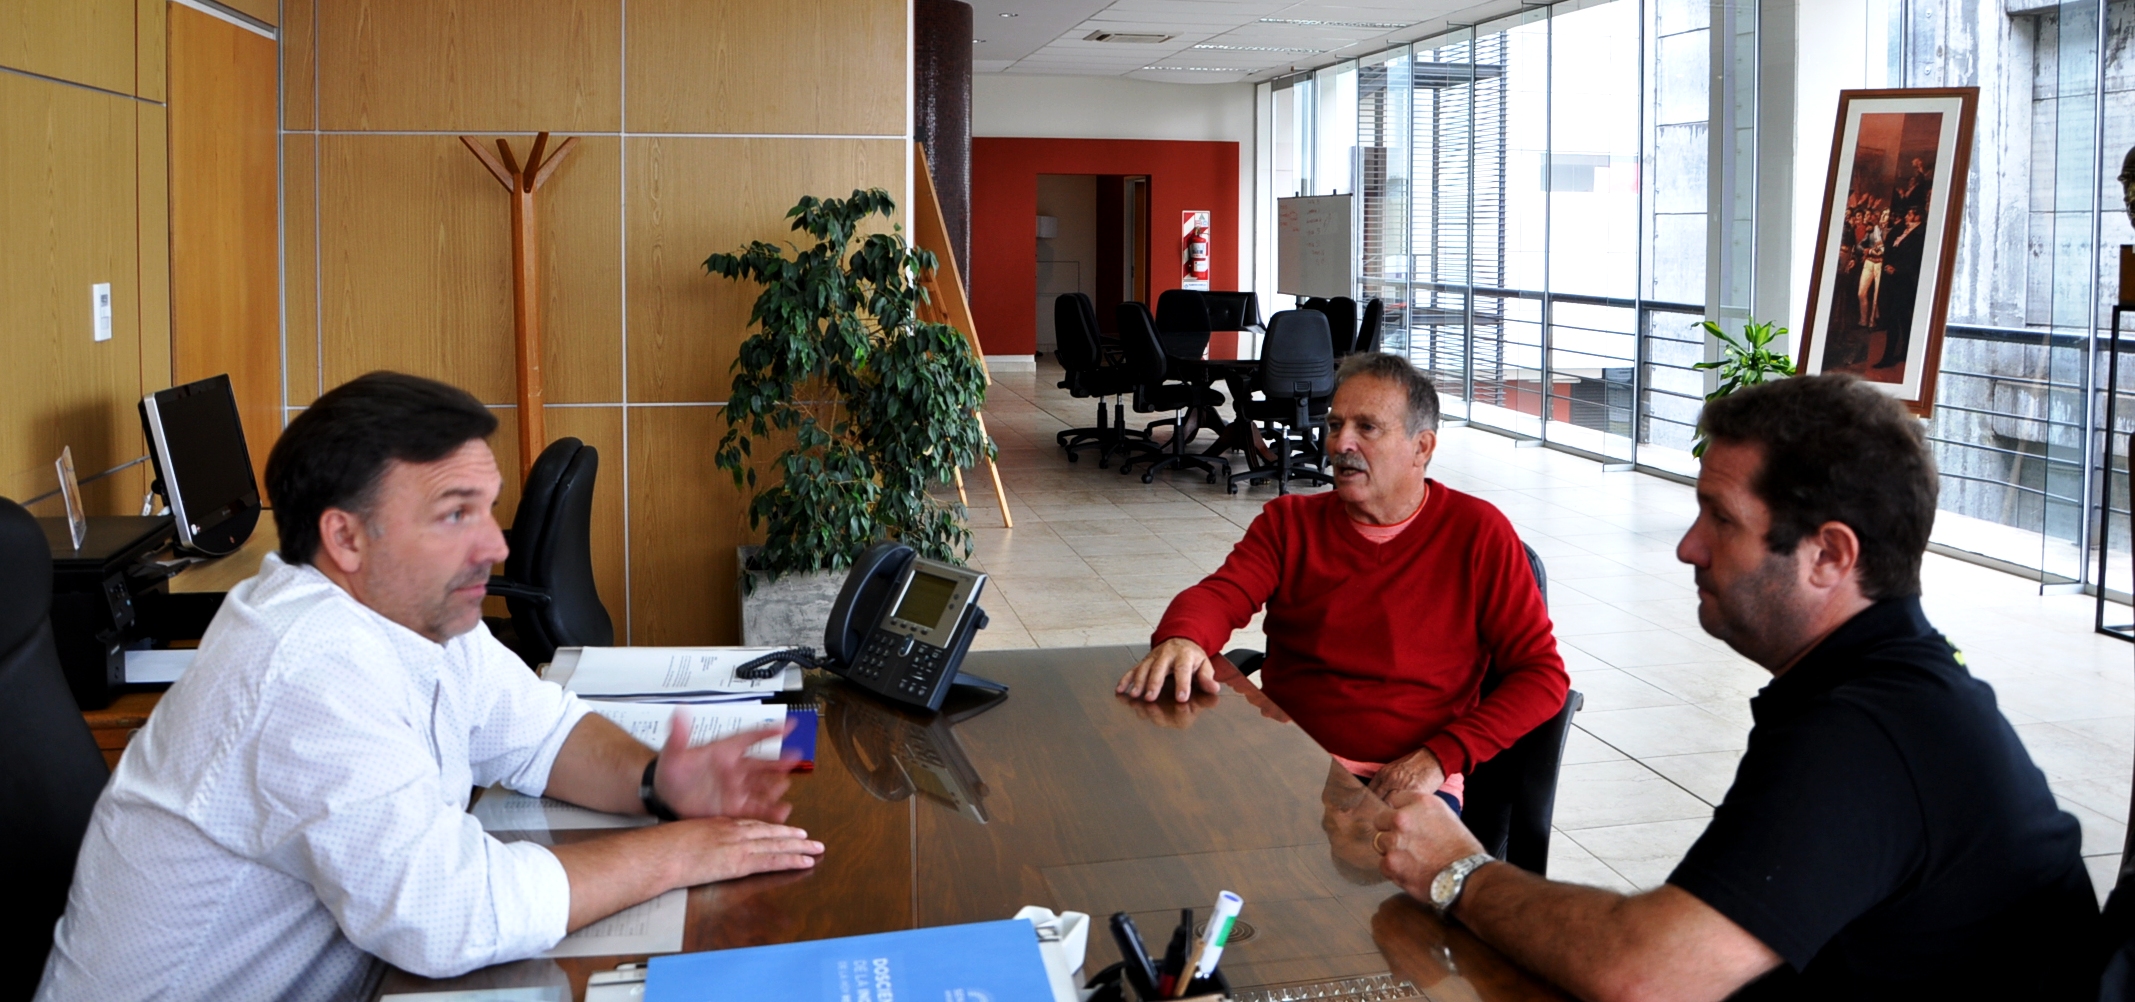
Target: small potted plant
1745	361
867	405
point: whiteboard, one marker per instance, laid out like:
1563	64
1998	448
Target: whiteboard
1313	255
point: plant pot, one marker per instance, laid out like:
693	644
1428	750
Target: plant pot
787	612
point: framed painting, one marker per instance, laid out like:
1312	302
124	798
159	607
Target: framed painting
1879	287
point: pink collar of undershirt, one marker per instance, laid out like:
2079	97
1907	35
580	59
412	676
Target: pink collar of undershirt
1386	533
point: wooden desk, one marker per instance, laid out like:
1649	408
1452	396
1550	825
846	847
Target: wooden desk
113	726
1091	803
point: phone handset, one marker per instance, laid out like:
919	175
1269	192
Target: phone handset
902	625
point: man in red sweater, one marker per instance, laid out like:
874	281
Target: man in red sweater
1393	603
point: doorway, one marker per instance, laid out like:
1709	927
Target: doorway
1093	238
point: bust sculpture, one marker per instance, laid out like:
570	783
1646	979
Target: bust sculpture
2127	183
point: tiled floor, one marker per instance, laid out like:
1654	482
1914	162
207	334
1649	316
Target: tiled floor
1095	557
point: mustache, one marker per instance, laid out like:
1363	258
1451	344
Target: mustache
478	575
1350	461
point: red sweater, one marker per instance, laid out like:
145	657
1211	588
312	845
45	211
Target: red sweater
1380	649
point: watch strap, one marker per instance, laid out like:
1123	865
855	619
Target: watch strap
1456	873
651	797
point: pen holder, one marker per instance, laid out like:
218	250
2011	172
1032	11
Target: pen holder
1215	984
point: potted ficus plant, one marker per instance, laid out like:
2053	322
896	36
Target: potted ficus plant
1745	361
866	405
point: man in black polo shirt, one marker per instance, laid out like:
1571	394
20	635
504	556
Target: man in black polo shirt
1886	835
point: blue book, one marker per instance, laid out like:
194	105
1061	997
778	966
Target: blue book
802	739
980	962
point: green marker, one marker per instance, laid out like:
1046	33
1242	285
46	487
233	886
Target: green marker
1217	933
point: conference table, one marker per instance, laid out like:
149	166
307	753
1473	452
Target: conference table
1070	797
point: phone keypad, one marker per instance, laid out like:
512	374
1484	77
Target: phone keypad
913	667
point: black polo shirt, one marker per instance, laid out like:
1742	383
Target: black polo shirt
1888	836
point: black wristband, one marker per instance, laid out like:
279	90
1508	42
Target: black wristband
653	804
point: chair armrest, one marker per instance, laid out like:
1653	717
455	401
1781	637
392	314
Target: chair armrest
507	588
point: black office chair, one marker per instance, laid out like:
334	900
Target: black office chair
1232	311
53	770
548	578
1341	314
1089	375
1148	368
1368	329
1510	801
1296	383
1183	323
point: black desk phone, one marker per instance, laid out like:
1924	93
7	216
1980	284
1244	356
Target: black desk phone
902	625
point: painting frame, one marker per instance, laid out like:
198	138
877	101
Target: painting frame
1879	281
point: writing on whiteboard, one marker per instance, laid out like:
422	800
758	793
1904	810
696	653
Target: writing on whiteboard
1314	254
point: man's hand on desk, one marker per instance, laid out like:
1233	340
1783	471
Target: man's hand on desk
613	872
719	779
1418	771
1178	664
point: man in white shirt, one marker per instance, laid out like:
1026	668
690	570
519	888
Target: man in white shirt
298	801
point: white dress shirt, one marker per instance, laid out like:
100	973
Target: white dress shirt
298	802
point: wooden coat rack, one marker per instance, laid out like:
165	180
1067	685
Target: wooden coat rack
522	182
946	302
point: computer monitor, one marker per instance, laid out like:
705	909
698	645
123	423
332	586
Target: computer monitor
203	469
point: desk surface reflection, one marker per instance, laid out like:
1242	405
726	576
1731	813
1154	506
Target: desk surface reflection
1067	796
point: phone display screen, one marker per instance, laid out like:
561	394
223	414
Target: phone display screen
925	599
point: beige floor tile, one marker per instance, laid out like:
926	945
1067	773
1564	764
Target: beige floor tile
1094	636
1707	775
1707	681
1615	689
1664	730
1640	648
2105	871
1644	853
1580	747
1570	863
2101	834
1623	792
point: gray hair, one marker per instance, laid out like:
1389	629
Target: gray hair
1422	393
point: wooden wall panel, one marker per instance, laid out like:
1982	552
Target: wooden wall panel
151	33
258	10
152	237
300	274
67	164
224	230
686	518
87	42
472	65
299	61
806	67
417	268
692	197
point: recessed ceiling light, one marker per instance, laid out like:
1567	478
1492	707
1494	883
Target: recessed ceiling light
1008	13
978	41
1254	48
1197	69
1136	37
1388	25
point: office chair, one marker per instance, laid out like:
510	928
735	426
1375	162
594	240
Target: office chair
1341	312
1148	367
1088	375
1510	801
1183	324
1232	311
1296	384
54	772
548	578
1368	329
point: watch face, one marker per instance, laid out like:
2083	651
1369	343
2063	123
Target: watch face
1443	886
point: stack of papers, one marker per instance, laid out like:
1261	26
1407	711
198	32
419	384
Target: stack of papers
672	673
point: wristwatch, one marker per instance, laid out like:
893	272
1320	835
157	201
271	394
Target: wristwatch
653	804
1446	887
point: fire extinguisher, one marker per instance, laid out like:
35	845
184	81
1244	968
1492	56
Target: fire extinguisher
1197	254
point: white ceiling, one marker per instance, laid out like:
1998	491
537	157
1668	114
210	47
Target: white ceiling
1213	41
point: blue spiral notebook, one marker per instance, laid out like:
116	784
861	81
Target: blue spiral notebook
980	962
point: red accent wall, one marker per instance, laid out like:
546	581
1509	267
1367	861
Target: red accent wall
1004	219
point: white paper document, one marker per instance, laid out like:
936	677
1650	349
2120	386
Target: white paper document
502	810
157	666
652	927
708	722
673	671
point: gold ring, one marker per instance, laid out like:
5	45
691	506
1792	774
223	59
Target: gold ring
1375	836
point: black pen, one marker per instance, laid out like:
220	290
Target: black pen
1138	970
1175	954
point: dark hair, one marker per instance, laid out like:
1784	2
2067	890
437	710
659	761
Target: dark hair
1838	450
1422	393
334	453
